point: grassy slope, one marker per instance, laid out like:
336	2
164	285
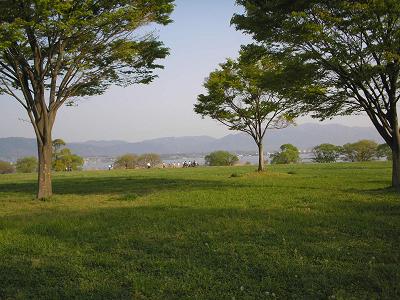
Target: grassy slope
323	231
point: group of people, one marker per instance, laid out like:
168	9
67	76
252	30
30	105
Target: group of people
190	164
185	164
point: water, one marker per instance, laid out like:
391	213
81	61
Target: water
102	163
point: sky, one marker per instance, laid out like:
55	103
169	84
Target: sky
199	39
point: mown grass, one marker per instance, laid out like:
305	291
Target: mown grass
294	232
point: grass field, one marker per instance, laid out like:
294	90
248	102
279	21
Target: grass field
295	232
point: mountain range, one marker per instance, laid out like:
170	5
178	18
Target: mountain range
303	136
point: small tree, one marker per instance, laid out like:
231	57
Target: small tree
364	150
27	165
149	158
247	95
57	144
6	167
221	158
126	161
55	51
289	154
65	160
326	153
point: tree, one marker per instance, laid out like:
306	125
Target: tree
354	48
65	160
53	52
364	150
57	145
126	161
27	165
221	158
289	154
384	151
326	153
6	167
246	95
149	158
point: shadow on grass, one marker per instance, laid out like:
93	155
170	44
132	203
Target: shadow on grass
115	185
384	191
180	252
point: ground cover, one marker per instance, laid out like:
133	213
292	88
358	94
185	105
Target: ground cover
307	231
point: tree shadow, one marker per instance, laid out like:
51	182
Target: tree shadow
117	185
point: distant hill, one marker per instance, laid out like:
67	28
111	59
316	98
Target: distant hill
304	136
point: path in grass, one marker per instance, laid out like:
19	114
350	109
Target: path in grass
301	231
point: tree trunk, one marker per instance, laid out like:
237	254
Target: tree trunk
396	170
44	171
396	153
260	157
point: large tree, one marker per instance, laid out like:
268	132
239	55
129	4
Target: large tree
244	95
55	51
354	45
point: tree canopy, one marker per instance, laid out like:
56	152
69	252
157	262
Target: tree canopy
53	52
363	150
248	95
353	47
288	154
26	165
326	153
221	158
126	161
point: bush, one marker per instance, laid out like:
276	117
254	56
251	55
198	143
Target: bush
221	158
326	153
364	150
126	161
27	164
149	158
6	167
384	151
289	154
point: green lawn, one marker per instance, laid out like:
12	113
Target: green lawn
295	232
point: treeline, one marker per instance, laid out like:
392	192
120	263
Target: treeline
363	150
62	160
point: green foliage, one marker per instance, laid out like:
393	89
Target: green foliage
27	165
149	158
221	158
243	94
58	144
6	167
248	95
328	232
132	161
351	49
126	161
89	44
54	52
326	153
65	160
364	150
289	154
384	151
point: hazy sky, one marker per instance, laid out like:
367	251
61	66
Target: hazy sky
200	38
